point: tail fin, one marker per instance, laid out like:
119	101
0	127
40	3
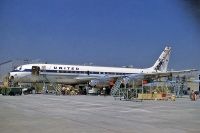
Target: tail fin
162	62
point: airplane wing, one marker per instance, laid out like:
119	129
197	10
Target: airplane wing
171	73
96	81
140	76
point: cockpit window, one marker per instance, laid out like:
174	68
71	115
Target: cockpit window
19	68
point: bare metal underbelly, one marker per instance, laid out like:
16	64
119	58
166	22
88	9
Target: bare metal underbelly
66	79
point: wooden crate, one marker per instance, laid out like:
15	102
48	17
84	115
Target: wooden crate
158	96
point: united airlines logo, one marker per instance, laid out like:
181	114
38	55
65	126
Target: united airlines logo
66	68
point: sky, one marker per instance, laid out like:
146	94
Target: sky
102	32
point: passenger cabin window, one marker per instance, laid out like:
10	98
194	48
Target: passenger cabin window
20	68
95	72
81	71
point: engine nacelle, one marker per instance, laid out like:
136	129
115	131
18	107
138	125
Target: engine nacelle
132	77
102	81
126	80
136	76
94	82
99	82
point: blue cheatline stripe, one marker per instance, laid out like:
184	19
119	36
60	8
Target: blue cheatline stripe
77	72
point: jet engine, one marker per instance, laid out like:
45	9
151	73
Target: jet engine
99	82
94	82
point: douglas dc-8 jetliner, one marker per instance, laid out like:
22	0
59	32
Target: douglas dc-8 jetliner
94	75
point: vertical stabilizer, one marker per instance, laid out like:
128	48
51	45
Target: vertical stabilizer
162	62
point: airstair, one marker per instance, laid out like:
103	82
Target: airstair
56	87
179	86
116	88
123	92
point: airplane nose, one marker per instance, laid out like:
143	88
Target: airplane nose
11	75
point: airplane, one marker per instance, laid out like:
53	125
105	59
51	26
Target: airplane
94	75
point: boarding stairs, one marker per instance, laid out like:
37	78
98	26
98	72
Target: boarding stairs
123	93
179	85
118	92
116	88
56	87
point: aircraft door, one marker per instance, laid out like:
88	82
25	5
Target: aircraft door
35	70
88	72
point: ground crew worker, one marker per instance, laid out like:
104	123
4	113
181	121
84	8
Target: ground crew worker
193	96
104	91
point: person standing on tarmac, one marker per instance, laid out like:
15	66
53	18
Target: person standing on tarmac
104	91
193	96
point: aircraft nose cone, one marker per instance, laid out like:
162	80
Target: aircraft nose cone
12	75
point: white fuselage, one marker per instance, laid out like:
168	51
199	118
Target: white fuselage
70	74
74	74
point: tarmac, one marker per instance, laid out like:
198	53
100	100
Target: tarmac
96	114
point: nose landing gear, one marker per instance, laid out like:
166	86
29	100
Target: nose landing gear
11	81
